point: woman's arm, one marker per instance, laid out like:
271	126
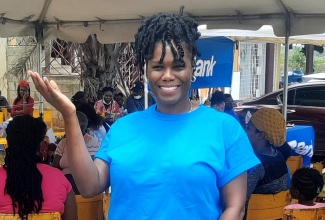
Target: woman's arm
70	207
56	161
91	177
234	197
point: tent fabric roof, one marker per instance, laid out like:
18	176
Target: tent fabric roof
264	34
118	20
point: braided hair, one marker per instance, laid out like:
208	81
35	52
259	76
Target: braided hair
23	183
308	181
169	29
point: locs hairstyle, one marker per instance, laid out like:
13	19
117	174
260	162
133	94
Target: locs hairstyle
171	29
23	183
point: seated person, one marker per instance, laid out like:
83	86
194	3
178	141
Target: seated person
49	190
95	122
306	184
23	103
80	97
61	156
218	101
266	130
321	195
4	102
107	107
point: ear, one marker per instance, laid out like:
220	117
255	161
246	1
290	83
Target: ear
261	135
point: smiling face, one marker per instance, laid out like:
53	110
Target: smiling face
23	90
108	96
170	80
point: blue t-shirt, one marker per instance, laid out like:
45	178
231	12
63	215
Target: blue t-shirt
172	166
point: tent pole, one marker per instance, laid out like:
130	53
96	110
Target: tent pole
285	76
39	70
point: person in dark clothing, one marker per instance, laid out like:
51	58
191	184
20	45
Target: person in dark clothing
229	106
266	130
135	101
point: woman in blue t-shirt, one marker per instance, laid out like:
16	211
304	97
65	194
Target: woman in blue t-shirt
159	161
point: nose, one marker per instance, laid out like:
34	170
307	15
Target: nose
168	75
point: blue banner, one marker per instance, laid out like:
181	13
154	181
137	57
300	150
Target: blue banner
214	67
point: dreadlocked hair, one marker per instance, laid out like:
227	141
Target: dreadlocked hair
308	181
23	183
171	30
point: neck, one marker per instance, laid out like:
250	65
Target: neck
186	107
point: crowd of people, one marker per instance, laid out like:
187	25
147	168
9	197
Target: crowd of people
158	161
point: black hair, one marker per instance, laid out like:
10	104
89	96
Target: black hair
75	99
308	181
105	89
171	29
19	97
94	120
227	95
217	98
23	183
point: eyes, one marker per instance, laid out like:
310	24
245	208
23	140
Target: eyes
177	67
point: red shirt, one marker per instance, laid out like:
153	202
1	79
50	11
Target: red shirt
19	105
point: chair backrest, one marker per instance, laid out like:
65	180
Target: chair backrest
5	113
40	216
304	214
267	206
106	203
36	113
294	163
90	208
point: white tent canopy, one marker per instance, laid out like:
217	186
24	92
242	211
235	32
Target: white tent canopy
117	20
265	34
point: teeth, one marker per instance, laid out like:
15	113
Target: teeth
169	88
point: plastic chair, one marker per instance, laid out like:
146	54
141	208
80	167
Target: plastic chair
90	208
294	163
5	113
48	117
40	216
304	214
106	203
2	119
36	113
267	206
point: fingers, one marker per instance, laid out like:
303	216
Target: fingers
38	82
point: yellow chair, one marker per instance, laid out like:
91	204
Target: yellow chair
294	163
40	216
36	113
2	119
90	208
106	203
267	206
5	113
48	117
304	214
3	141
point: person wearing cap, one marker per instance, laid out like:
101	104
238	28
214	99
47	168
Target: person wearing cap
107	107
266	130
23	103
135	101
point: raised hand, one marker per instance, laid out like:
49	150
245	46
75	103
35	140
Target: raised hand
52	94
